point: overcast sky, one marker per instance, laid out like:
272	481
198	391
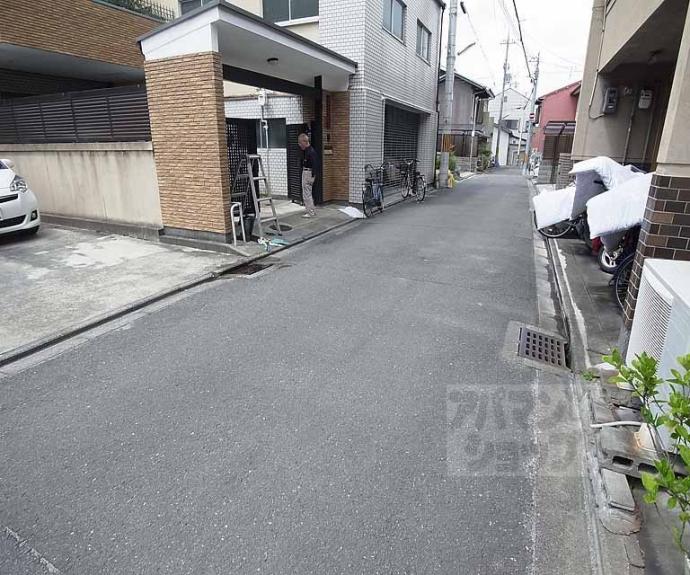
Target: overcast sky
557	29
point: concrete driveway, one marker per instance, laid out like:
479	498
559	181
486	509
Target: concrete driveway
62	278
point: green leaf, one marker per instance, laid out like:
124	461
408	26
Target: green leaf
650	482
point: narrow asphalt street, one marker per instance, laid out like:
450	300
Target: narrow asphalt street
352	410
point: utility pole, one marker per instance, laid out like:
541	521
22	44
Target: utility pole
528	150
447	112
503	90
474	126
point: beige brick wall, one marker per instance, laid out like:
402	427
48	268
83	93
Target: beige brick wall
336	166
79	27
185	97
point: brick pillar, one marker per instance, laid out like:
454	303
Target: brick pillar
185	95
666	227
336	158
665	231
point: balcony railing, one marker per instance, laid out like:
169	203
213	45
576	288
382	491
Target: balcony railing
144	7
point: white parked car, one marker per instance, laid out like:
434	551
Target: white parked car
18	204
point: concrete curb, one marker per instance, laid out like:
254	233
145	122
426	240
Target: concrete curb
612	550
23	351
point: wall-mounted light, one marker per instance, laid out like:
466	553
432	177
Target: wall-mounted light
272	61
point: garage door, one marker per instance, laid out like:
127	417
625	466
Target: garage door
401	134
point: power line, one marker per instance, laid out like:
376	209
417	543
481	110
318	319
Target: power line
481	47
522	42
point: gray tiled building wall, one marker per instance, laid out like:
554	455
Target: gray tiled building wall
277	106
290	107
387	70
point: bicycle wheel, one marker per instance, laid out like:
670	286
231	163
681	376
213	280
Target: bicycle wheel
621	279
608	262
405	190
368	201
420	185
555	231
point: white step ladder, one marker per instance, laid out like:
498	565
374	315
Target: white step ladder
259	199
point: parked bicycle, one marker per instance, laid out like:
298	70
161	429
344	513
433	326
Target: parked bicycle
624	265
372	189
411	181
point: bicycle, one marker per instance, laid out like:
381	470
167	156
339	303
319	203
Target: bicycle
412	181
621	278
372	189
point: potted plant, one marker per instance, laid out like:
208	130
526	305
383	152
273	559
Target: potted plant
665	407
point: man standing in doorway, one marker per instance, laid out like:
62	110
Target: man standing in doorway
310	171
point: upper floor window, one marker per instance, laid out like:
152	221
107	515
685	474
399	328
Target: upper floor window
423	41
189	5
394	18
285	10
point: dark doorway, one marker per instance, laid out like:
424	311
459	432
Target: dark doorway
241	138
294	161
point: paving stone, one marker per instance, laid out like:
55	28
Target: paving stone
617	490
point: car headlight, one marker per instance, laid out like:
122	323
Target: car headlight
18	185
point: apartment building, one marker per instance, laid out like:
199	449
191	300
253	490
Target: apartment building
138	113
633	108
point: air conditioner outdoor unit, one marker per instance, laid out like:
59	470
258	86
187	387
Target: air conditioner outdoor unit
662	316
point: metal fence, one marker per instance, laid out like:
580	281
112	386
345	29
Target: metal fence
144	7
107	115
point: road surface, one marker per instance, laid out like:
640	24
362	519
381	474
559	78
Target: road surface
351	410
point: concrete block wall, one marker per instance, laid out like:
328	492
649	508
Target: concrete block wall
275	165
545	170
285	106
185	96
565	164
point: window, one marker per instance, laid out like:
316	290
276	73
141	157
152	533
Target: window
189	5
277	133
394	18
285	10
423	41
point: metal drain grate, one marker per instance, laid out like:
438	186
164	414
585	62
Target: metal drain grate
249	269
273	228
541	347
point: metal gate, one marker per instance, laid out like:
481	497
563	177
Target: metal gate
400	139
241	138
558	139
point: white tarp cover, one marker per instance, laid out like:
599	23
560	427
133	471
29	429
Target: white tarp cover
551	207
619	209
611	172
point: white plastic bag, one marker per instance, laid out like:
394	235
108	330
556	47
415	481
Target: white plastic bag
551	207
619	209
611	172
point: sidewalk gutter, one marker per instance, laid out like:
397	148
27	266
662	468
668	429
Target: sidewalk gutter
612	552
98	320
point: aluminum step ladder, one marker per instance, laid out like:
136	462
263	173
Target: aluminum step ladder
254	160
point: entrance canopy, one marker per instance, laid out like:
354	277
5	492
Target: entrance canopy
248	43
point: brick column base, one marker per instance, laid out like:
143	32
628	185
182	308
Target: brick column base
665	231
185	96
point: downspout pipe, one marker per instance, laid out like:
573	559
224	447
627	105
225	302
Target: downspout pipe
438	82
